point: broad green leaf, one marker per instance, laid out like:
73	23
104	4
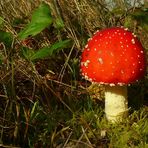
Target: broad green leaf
6	38
49	51
41	19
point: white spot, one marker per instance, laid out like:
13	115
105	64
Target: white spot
124	33
95	49
110	37
121	46
87	49
133	64
100	60
139	62
121	42
138	56
86	63
121	84
111	54
122	72
134	35
133	72
141	69
141	51
90	79
100	34
133	41
126	29
89	39
86	77
112	84
96	40
127	46
97	31
101	82
86	45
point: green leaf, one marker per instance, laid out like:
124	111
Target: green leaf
6	38
41	19
49	51
27	53
58	23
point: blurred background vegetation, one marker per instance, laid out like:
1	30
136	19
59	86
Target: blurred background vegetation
43	100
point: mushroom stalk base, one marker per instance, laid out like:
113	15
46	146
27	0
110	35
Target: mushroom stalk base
116	104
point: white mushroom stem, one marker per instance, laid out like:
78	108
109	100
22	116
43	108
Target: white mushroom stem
116	104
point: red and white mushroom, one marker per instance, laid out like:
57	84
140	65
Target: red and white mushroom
116	58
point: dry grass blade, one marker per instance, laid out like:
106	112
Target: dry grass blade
68	111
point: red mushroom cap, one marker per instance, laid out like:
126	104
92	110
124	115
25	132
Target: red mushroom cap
113	56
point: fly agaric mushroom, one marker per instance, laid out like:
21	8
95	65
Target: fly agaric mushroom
114	57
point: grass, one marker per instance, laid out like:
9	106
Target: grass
45	103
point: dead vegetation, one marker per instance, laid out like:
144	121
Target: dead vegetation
48	99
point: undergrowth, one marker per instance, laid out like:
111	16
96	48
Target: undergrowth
43	100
